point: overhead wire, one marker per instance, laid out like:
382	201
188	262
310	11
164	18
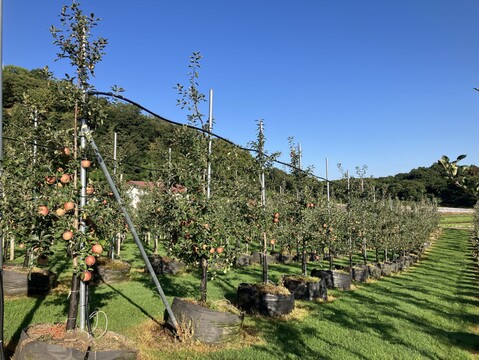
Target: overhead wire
125	99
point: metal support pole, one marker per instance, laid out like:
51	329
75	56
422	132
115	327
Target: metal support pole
83	182
300	154
327	182
263	185
210	129
86	131
115	143
35	125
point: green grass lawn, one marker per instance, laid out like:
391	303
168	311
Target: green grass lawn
458	220
430	311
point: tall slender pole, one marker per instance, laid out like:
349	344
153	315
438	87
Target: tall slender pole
263	185
210	129
327	182
115	143
300	153
263	198
35	125
2	355
83	180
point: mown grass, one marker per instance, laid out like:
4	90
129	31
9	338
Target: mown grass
456	220
429	311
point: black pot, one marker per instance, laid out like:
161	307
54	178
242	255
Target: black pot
34	283
162	265
386	269
306	290
341	279
111	275
360	273
374	271
243	260
206	325
283	259
394	267
30	349
326	275
257	258
253	301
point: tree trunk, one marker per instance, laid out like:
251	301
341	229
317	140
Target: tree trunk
304	260
204	279
265	260
118	243
12	248
155	247
365	252
73	305
330	259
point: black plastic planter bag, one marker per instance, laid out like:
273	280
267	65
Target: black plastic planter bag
307	290
111	275
341	280
206	325
374	271
29	349
21	283
251	300
163	266
360	273
15	283
326	275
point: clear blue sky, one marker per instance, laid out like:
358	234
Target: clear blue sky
386	84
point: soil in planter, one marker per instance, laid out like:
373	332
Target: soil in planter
305	287
204	324
265	299
51	341
110	271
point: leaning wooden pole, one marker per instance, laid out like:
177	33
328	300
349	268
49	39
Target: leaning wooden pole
87	133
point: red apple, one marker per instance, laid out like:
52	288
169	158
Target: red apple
97	249
65	178
43	210
69	205
90	260
86	276
67	235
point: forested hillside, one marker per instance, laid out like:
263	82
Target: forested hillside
148	149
